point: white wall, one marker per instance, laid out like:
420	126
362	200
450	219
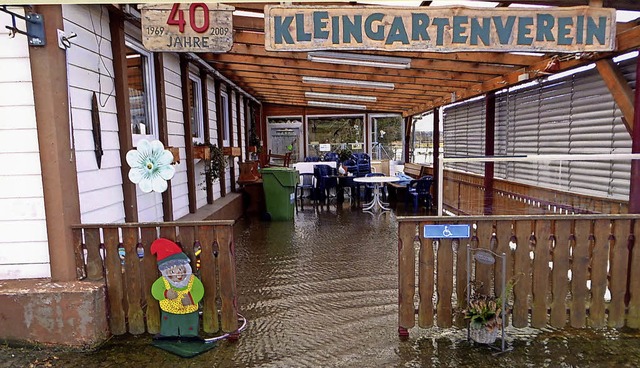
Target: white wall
90	69
23	236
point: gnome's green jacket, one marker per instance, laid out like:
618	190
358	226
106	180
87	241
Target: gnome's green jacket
195	291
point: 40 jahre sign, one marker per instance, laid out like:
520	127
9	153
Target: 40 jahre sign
196	27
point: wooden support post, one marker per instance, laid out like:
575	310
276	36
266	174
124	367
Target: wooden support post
186	117
59	176
436	152
207	132
220	118
163	133
408	121
489	150
123	107
232	163
634	185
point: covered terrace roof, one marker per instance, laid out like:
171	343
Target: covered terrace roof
434	79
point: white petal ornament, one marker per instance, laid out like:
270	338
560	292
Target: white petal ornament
150	166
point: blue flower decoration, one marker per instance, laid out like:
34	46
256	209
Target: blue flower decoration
150	166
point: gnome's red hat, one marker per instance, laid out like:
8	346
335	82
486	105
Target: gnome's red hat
168	253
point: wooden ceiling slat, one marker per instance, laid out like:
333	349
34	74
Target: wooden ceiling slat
276	77
257	38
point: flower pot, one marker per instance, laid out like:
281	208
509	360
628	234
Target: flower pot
232	151
201	152
483	335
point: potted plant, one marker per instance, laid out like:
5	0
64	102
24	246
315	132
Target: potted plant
485	314
344	154
214	165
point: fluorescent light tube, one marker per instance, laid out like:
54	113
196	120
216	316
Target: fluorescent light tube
337	96
349	82
336	105
375	61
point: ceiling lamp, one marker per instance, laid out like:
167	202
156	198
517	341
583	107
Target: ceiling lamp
349	82
375	61
338	96
336	105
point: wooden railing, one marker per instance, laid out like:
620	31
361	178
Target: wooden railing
129	280
581	270
463	194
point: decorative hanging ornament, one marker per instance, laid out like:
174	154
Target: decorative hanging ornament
150	166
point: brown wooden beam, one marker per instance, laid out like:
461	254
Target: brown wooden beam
207	132
58	163
218	91
619	88
489	150
232	165
163	133
123	107
436	153
188	134
634	183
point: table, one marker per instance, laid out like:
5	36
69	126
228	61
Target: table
307	167
376	181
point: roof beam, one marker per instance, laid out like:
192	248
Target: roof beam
620	89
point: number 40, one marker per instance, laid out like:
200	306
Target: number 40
176	17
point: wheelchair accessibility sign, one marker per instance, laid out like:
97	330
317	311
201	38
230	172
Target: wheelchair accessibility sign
446	231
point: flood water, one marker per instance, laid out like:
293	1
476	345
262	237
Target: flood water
321	291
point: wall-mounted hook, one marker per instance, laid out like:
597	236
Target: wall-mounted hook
64	41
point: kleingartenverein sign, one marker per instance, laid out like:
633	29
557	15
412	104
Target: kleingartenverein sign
196	27
445	29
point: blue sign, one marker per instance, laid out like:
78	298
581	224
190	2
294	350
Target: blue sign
446	231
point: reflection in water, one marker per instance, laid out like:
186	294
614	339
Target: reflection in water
322	292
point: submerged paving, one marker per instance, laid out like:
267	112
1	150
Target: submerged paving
321	291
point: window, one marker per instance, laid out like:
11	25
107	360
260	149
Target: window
142	96
387	137
330	133
224	98
195	108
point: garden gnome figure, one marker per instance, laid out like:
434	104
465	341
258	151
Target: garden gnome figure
178	291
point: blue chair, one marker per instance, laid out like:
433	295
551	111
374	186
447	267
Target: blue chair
331	156
364	163
311	159
351	166
419	191
306	182
326	179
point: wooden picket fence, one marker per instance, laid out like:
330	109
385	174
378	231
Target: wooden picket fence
131	307
563	267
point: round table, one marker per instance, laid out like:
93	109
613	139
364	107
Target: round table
377	181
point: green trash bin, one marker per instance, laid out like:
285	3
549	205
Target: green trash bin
279	191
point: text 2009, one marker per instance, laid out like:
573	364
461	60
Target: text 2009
219	31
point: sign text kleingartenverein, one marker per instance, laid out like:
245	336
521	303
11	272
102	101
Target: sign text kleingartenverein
444	29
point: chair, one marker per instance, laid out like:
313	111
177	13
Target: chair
311	159
419	190
364	163
278	160
325	180
306	182
351	166
331	156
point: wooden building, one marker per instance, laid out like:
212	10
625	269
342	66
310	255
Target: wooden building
72	109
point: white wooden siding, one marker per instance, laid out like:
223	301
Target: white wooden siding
23	234
175	129
90	69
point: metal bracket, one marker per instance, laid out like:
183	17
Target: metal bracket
35	27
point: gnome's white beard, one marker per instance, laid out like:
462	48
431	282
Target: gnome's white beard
178	284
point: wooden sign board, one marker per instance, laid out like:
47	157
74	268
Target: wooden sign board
197	27
444	29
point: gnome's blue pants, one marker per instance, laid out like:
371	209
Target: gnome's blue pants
179	324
